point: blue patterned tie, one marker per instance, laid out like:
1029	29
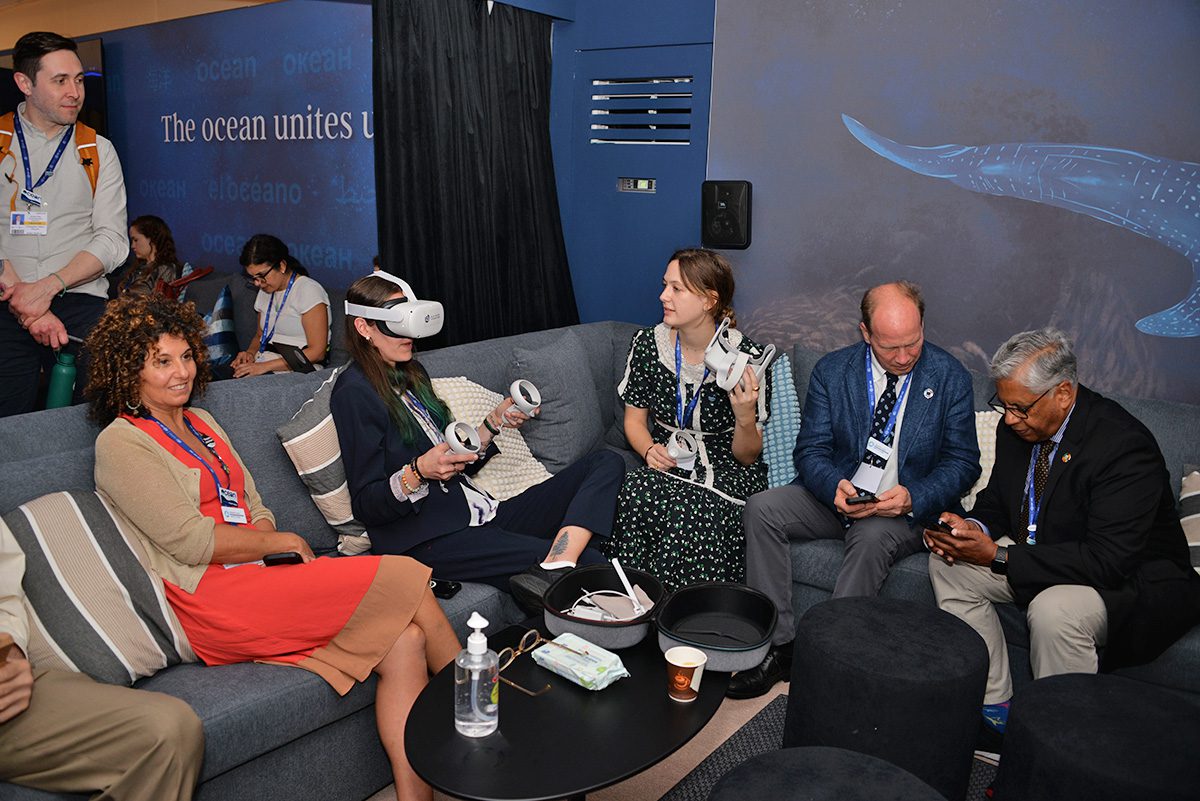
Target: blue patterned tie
883	410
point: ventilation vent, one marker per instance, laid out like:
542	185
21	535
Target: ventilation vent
641	111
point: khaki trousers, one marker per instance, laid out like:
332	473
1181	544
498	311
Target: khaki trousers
81	736
1067	622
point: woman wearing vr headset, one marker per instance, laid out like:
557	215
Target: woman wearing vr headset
293	309
415	495
243	591
684	524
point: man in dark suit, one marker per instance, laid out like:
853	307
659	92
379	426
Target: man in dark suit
1077	524
887	440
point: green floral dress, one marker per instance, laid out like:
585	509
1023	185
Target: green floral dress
682	526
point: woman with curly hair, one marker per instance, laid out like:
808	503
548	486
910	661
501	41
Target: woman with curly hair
172	472
154	248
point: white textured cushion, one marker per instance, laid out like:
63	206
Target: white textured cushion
985	429
513	470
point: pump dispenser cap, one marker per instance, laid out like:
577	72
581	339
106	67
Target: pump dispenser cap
477	642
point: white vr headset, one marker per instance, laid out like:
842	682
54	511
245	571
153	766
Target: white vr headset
407	317
728	363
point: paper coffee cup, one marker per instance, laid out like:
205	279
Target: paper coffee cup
685	666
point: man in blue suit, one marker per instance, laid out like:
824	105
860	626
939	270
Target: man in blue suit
887	442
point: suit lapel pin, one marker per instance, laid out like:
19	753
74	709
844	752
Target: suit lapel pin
928	393
1066	457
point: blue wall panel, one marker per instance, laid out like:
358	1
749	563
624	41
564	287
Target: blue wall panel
293	81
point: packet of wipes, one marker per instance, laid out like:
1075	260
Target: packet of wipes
588	665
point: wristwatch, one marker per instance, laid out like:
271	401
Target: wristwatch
1000	561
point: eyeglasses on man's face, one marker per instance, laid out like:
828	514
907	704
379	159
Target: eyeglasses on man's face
1016	410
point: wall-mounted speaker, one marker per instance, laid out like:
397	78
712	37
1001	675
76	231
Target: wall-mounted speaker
725	214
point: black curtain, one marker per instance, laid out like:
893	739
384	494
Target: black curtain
464	175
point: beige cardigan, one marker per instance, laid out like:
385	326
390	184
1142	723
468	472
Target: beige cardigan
159	497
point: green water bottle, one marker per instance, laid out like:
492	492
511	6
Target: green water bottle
62	381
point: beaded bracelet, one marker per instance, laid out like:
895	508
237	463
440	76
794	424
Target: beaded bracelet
416	470
408	491
488	425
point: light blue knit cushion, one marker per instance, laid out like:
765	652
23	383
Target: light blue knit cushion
779	434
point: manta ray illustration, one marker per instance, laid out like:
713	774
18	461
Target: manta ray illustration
1151	196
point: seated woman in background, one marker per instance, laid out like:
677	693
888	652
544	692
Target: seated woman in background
415	495
154	250
686	526
293	309
174	475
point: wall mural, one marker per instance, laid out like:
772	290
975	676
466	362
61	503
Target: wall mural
831	218
1153	197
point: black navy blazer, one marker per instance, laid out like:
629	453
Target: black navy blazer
1108	521
372	450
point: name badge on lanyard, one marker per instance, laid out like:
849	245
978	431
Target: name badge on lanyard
876	447
28	223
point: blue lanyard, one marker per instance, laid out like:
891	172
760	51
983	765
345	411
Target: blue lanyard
197	456
680	414
62	146
1035	505
268	333
891	423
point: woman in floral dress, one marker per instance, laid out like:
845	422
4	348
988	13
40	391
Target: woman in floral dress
685	526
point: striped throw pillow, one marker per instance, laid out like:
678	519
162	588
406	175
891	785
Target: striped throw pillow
1189	514
94	605
311	442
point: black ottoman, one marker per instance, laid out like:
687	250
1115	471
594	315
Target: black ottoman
820	774
894	679
1080	736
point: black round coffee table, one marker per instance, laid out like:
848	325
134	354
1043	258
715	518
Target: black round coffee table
561	744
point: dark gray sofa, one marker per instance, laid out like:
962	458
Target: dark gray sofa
815	565
278	732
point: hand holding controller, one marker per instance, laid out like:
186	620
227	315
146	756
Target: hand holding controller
525	396
462	438
682	447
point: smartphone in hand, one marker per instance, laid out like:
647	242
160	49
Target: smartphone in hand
862	497
940	525
284	558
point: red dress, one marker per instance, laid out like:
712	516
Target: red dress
337	617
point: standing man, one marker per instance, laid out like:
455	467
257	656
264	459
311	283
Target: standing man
63	234
887	440
1077	524
65	733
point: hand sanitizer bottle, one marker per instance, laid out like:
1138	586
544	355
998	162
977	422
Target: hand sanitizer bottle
476	684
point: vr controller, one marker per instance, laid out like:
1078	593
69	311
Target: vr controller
408	317
462	437
728	363
682	447
525	396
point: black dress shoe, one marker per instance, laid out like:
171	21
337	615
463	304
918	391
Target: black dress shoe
529	587
775	667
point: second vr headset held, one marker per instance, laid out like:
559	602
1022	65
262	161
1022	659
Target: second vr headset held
408	317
